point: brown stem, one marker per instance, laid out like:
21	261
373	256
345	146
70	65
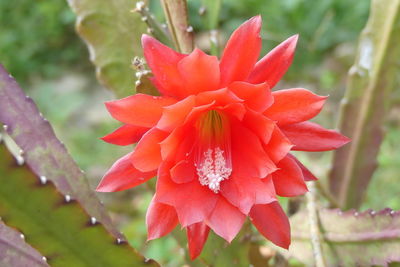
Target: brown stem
177	18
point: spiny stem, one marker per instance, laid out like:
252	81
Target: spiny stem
154	27
313	223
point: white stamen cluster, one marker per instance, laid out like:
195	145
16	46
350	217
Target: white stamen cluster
213	170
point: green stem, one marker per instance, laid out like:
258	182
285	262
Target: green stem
154	27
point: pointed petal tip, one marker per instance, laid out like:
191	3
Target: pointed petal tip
292	41
285	245
256	21
346	140
194	255
150	238
294	38
109	105
146	38
256	18
101	189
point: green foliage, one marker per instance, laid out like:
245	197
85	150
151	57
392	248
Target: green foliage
112	33
349	238
41	149
38	38
366	102
56	225
386	175
322	25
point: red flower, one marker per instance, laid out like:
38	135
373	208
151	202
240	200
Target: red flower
218	139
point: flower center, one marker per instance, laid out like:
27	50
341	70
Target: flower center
213	170
213	162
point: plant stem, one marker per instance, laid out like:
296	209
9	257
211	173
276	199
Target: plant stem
313	223
177	18
333	203
154	27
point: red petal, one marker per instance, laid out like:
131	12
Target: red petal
272	222
256	96
163	62
161	219
122	175
226	220
274	65
241	52
289	180
235	110
147	154
183	172
308	136
278	146
175	114
294	105
140	109
260	125
221	97
248	156
125	135
178	143
200	72
193	202
244	192
307	174
197	235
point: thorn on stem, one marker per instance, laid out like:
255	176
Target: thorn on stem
202	10
67	198
93	220
43	180
189	29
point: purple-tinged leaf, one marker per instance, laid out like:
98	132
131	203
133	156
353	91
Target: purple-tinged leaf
42	151
349	238
15	252
55	224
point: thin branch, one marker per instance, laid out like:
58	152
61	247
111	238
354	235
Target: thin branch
332	200
313	223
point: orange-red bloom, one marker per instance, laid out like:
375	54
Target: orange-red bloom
218	139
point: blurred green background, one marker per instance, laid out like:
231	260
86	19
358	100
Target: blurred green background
39	46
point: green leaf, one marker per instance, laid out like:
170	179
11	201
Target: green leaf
366	103
41	149
349	238
112	33
15	252
57	225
